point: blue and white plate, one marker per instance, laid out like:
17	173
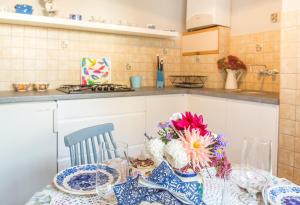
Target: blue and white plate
284	194
81	180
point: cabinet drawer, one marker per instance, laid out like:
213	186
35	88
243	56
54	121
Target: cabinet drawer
71	109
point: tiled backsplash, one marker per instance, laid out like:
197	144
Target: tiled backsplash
33	54
256	50
289	140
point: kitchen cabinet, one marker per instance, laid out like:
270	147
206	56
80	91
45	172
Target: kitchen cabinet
201	42
28	150
128	115
239	120
159	109
248	120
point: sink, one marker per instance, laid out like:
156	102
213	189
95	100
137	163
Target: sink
252	92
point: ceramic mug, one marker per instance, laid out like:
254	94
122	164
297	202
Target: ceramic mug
136	81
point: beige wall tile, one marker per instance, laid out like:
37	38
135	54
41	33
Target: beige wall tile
285	171
288	81
288	96
296	178
297	144
297	160
288	112
288	127
287	142
286	157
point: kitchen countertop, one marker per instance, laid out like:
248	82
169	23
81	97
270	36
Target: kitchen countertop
53	95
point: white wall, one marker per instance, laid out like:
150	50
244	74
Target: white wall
253	16
290	5
166	14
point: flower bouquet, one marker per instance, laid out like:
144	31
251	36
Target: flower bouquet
234	68
188	146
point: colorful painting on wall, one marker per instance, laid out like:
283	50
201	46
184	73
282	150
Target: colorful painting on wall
95	71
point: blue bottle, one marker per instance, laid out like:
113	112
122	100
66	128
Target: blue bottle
160	77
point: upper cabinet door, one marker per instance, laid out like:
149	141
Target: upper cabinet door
202	42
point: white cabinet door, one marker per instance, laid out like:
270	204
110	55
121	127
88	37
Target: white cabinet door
127	114
238	120
28	150
248	120
160	108
214	111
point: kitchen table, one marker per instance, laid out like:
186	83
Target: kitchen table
212	195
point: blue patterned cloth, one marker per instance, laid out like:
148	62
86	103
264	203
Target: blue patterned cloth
131	193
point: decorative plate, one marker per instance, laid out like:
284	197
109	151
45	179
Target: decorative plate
249	179
284	194
81	180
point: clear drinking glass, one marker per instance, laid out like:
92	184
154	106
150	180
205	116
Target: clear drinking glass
255	169
103	185
227	189
120	160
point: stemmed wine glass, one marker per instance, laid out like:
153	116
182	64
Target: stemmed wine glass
256	168
110	159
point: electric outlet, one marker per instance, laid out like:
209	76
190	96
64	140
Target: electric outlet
274	18
64	44
128	66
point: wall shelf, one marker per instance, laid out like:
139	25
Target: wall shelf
53	22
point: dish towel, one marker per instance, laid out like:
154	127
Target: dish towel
131	193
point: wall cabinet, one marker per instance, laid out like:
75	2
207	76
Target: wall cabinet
201	42
28	150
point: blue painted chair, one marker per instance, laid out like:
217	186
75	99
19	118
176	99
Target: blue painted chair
84	144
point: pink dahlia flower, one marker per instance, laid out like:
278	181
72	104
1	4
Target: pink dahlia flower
197	148
189	121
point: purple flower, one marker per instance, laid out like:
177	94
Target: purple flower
219	152
221	141
163	125
169	136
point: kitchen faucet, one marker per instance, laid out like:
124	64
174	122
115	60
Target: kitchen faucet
266	71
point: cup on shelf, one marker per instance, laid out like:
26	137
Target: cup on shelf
76	17
23	9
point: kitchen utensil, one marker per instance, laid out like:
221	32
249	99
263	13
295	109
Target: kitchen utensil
21	87
188	81
40	87
24	9
81	180
136	81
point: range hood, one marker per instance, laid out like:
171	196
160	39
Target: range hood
207	13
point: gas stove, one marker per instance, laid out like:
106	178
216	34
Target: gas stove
96	88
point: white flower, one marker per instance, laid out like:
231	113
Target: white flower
176	154
155	148
176	116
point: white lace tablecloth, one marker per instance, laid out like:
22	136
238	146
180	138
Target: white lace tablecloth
213	193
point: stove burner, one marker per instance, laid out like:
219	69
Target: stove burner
96	88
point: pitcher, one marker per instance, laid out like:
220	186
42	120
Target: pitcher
233	76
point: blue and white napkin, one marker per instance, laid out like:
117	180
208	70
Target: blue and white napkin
164	176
